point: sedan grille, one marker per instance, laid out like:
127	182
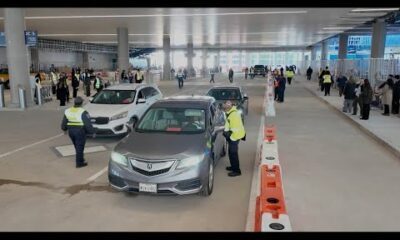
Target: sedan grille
100	120
152	173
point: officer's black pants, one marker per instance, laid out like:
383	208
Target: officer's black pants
233	153
78	138
386	109
75	92
327	87
289	79
212	78
87	90
180	83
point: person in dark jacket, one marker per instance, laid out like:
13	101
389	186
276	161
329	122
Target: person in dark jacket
86	82
396	95
75	84
62	91
281	71
366	99
230	75
349	95
281	88
341	81
309	73
77	121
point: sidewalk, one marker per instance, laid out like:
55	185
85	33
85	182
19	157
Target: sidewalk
384	129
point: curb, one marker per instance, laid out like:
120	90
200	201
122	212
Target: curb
363	129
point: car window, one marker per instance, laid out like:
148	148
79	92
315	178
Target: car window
114	97
147	92
154	92
225	94
170	120
141	94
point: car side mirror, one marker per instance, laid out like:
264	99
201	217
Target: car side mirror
141	100
245	97
130	127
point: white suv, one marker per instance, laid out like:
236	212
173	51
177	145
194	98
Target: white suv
116	106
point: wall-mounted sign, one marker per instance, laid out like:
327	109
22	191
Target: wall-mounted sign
2	39
30	38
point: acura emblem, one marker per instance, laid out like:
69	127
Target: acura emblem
149	166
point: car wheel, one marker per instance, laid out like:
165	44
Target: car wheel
209	184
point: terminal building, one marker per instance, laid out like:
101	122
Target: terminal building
145	73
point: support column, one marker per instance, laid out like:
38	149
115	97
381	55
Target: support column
204	62
35	60
377	48
167	60
85	60
342	53
190	54
218	63
17	54
123	49
324	54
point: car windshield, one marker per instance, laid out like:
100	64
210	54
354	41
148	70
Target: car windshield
258	66
173	120
114	97
225	94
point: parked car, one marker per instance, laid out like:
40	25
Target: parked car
233	93
115	107
173	149
259	70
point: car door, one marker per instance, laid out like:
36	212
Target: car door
216	137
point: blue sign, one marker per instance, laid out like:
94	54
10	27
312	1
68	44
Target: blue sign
2	39
30	38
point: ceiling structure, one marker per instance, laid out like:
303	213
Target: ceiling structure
206	27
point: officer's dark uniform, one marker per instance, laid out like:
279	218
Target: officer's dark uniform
77	121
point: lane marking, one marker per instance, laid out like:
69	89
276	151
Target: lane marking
98	174
30	145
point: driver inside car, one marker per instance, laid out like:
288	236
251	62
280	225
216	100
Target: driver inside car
193	123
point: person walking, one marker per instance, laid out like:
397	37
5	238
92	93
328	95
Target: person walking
212	75
233	132
62	91
230	75
246	72
327	81
77	122
139	76
309	73
179	76
387	93
251	73
341	82
276	89
281	88
349	95
86	82
366	99
289	75
396	95
357	100
75	84
38	87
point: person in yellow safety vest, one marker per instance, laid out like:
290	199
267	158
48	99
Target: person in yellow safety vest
139	77
77	121
327	81
98	84
289	75
233	132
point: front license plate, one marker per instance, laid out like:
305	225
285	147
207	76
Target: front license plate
148	187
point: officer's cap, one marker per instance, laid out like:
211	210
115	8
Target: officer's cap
78	101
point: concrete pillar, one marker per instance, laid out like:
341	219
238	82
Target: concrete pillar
167	60
204	62
324	52
35	59
123	49
190	54
377	48
313	54
218	63
148	62
17	54
85	60
342	53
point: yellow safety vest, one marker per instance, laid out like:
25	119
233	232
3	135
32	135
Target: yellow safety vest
97	82
139	75
74	116
327	78
234	124
289	74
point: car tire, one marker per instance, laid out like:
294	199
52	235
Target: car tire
209	183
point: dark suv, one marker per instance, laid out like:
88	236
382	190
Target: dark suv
259	70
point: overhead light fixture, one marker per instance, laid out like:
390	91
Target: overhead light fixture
374	9
164	15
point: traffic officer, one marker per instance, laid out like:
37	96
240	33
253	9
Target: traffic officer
98	84
139	77
77	121
233	132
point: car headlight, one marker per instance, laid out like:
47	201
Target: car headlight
119	158
119	116
190	161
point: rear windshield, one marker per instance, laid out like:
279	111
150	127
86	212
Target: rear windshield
114	97
225	94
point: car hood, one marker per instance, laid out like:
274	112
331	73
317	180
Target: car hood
158	146
105	110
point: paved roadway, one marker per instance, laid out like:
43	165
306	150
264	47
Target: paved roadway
40	191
